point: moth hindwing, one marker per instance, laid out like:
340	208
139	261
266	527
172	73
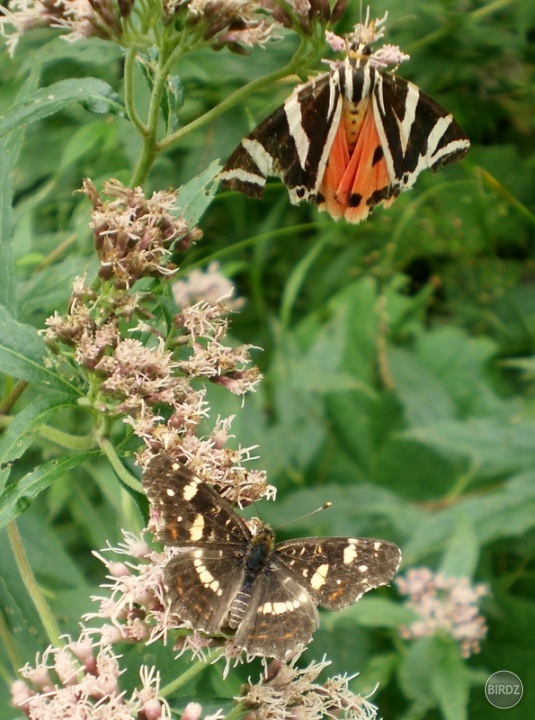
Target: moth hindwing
348	140
225	577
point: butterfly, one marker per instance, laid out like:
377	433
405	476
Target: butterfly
227	578
351	138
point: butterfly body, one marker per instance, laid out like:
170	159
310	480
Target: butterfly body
227	576
348	140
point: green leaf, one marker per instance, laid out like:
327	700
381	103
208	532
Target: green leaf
24	630
377	672
422	396
24	426
93	94
450	682
461	364
10	148
85	142
462	553
372	612
23	355
16	497
494	446
7	267
507	512
195	196
434	674
172	102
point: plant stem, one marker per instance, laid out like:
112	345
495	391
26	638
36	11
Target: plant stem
16	392
150	130
194	670
66	440
122	473
239	95
49	623
238	710
129	93
233	99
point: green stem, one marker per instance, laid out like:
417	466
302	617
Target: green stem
66	440
236	97
129	92
28	578
238	710
236	247
194	670
115	461
150	130
452	27
13	396
493	183
10	648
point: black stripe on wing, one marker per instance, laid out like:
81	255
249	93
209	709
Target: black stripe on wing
417	132
290	143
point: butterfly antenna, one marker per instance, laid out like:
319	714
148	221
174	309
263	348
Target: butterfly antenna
302	517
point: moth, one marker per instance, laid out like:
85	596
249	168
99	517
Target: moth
226	577
349	139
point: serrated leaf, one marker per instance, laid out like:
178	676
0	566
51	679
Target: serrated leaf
94	94
422	396
507	512
23	355
493	445
18	496
196	195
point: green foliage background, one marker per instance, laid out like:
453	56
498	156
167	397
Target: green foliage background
398	355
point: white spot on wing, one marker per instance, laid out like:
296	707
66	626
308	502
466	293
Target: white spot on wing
318	579
190	491
350	553
196	530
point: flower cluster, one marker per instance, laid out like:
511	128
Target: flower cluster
234	24
444	604
303	15
287	691
144	366
134	234
81	18
135	609
81	680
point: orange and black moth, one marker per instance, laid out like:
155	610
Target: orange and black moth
348	140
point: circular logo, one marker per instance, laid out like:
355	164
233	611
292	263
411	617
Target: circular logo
504	689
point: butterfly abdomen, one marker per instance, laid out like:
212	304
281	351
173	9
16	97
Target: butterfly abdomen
255	562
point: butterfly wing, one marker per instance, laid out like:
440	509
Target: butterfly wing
191	512
293	143
336	572
416	133
196	594
281	614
